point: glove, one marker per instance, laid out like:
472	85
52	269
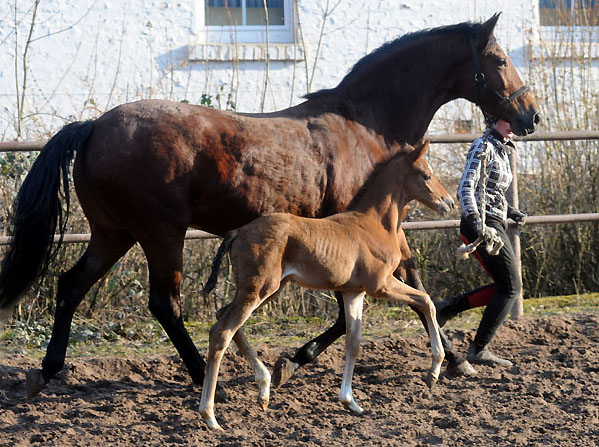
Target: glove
476	224
516	215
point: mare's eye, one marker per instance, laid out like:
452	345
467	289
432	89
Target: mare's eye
502	62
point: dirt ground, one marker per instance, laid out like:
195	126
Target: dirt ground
551	397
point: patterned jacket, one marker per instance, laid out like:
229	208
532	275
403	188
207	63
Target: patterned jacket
499	177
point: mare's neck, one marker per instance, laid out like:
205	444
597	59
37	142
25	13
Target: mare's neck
401	110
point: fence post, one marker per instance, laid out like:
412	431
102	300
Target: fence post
513	231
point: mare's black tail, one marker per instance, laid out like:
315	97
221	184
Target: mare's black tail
37	212
225	246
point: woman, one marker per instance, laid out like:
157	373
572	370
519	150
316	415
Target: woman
495	146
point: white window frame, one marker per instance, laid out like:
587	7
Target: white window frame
578	32
245	34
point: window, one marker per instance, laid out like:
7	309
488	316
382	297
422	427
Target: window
569	12
245	21
569	19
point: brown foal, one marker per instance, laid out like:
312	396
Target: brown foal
355	252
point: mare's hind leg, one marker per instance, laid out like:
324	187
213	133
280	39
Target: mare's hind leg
353	315
395	290
165	266
284	367
104	249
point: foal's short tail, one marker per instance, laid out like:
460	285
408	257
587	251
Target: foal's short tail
37	212
225	246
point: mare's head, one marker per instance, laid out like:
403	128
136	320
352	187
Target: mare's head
490	80
397	88
420	182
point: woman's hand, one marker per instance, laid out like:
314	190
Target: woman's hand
516	215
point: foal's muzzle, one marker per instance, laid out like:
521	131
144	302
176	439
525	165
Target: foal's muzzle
447	205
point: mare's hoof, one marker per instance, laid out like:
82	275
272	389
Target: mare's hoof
282	371
35	382
220	395
461	368
430	380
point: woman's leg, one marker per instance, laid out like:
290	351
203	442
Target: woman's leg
503	268
498	296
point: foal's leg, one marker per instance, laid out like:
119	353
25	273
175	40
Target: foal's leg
395	290
104	249
221	334
261	374
456	364
353	315
284	367
407	271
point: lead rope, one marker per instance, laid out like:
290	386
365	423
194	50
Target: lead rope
494	242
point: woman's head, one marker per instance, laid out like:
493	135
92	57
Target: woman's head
504	128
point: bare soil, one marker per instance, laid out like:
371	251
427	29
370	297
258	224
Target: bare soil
550	398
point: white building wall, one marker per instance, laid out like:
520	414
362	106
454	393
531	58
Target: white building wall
86	56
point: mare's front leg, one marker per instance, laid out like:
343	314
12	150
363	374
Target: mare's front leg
395	290
353	316
456	364
284	367
408	273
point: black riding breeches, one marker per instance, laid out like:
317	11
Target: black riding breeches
503	268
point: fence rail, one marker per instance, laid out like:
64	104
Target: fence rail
29	146
75	238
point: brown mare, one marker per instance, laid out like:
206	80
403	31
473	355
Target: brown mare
145	172
354	252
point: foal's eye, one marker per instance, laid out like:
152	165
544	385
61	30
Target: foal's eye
426	177
502	62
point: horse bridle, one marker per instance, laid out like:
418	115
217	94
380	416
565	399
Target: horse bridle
481	82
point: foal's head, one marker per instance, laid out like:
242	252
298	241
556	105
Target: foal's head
421	183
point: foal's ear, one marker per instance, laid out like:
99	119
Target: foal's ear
486	30
419	150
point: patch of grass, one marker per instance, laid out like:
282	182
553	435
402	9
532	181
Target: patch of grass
135	336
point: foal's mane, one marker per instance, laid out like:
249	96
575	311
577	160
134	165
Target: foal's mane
376	173
369	65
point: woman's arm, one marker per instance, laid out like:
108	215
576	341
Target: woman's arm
469	181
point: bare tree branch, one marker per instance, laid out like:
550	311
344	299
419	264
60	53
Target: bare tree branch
68	27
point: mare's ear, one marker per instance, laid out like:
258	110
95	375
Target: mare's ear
419	150
486	30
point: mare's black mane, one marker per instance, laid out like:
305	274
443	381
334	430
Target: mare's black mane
390	50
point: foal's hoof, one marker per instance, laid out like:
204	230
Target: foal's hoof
212	424
353	407
35	382
461	368
282	371
431	380
263	402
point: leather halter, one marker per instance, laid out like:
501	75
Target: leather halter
481	82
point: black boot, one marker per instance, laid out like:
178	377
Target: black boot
480	355
447	309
